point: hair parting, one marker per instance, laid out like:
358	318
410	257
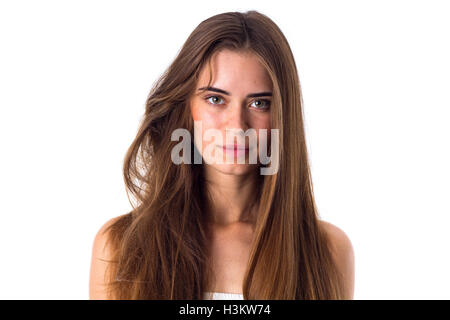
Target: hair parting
160	249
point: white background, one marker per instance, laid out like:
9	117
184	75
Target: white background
74	76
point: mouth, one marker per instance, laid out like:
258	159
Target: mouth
234	147
238	150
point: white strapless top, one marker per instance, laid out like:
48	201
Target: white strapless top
222	296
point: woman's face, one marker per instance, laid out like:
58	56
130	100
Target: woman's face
238	99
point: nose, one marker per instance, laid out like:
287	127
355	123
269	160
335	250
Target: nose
236	124
237	117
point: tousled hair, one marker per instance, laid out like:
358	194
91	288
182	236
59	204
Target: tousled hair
160	249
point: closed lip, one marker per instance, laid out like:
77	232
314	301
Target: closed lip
234	147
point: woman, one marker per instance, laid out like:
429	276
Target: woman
214	227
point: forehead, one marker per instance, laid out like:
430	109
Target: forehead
236	72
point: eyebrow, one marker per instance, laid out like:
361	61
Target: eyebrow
251	95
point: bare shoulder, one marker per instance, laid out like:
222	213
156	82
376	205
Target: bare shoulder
337	235
343	255
100	240
101	253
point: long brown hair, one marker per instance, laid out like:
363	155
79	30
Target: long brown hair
160	248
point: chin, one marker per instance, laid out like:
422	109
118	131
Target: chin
234	169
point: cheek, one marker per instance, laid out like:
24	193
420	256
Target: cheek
201	113
208	120
196	113
261	122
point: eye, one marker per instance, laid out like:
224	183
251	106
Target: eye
262	105
214	100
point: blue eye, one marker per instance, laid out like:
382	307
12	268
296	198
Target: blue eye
207	99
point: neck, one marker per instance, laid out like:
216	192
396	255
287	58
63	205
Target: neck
231	198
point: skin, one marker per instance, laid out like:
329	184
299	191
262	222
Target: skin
240	74
231	281
230	185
